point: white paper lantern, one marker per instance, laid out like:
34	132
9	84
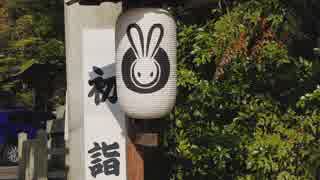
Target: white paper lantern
146	62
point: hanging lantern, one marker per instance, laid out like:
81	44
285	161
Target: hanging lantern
146	62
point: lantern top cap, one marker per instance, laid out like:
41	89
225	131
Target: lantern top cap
145	10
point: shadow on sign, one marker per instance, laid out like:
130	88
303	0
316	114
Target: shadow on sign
104	90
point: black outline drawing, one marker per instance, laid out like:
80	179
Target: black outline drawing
157	56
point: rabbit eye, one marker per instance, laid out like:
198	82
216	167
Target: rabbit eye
151	74
139	74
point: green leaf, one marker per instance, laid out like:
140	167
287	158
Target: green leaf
25	66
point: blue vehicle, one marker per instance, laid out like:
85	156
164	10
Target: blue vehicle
12	122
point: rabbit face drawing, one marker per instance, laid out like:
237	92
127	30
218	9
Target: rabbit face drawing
145	69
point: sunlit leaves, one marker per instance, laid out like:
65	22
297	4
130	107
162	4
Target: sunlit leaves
259	119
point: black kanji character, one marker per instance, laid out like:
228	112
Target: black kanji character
107	148
103	86
111	167
96	169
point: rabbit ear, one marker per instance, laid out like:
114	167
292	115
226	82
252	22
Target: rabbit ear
134	33
154	39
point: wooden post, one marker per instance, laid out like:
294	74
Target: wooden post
34	162
142	134
134	153
27	162
42	155
48	131
22	137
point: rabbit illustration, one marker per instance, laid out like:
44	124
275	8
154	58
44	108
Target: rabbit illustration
145	71
145	66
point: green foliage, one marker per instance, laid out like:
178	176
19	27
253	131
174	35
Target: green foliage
36	36
247	107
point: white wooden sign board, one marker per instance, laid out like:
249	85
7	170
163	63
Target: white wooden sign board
104	123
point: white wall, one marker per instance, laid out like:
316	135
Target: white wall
78	18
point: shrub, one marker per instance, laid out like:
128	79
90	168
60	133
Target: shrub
246	107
